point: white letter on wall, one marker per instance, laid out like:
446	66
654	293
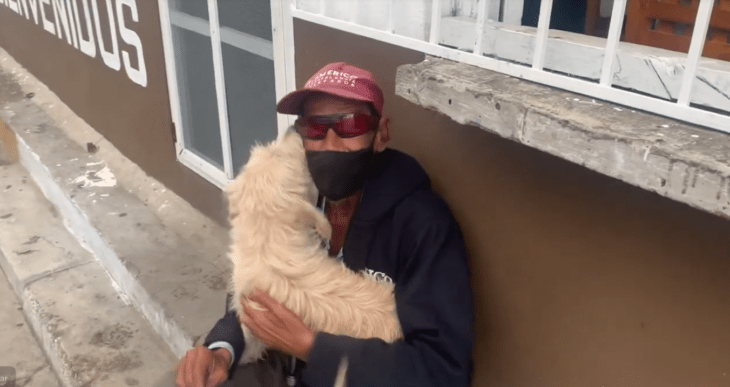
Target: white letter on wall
88	47
47	25
14	6
34	9
111	59
131	38
59	13
24	3
71	23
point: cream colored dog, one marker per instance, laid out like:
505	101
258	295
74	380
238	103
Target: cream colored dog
277	246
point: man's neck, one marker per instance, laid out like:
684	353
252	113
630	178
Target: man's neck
344	206
340	214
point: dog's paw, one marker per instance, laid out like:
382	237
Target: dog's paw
323	228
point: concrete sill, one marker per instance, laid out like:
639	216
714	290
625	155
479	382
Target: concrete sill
686	163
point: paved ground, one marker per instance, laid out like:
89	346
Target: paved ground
61	245
18	347
91	335
169	260
20	353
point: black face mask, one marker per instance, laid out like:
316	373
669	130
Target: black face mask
338	175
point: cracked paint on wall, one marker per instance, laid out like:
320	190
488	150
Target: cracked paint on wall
101	178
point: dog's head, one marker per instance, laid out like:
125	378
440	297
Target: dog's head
275	178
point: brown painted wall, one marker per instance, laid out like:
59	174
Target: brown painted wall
579	279
136	119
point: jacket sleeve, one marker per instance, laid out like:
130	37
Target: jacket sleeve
434	304
228	329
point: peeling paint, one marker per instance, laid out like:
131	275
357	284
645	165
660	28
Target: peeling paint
646	153
102	178
719	191
685	180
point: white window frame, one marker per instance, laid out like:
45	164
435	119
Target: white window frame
282	38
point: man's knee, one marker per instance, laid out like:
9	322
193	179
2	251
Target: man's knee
263	373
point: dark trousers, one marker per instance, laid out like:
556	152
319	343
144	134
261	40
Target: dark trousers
268	372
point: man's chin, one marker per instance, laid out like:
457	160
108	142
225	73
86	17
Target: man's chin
343	200
336	201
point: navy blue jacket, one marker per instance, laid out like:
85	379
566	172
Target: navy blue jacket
405	231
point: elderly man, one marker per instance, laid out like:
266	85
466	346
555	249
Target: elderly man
385	219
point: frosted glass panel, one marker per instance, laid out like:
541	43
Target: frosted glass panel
251	101
198	8
196	86
252	17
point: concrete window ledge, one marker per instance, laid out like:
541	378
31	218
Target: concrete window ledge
682	162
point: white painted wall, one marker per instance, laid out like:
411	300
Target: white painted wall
411	18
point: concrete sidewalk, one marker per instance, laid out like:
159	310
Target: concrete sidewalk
20	349
90	333
115	289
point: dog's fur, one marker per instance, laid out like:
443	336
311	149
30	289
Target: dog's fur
277	234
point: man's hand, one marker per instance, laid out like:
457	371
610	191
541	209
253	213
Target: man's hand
277	326
203	367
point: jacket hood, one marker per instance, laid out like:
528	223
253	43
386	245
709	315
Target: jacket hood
394	176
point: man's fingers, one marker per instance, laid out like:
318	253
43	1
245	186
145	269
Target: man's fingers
179	366
246	302
277	308
218	374
254	314
197	369
180	370
246	319
200	367
253	319
183	369
265	299
217	377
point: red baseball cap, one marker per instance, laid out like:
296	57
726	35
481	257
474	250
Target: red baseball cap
340	79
